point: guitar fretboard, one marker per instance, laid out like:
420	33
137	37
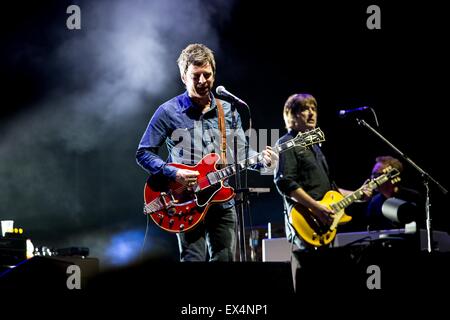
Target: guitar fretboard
358	194
302	140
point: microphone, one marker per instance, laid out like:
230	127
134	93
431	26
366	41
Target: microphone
221	91
343	113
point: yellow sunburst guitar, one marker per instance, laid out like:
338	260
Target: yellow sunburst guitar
315	233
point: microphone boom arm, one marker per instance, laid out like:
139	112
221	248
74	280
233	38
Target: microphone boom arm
426	177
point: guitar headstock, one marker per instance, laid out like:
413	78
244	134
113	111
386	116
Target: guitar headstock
392	174
305	139
389	173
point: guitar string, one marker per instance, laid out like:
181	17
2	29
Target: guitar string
309	138
372	184
310	135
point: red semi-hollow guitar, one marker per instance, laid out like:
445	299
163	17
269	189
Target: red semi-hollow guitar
178	208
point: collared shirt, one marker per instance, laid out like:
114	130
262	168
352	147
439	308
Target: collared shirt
302	168
188	134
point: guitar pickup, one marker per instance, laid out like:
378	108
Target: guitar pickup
212	178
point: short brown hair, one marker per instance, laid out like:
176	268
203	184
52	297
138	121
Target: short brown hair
293	106
390	161
196	54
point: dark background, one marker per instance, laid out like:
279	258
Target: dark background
76	102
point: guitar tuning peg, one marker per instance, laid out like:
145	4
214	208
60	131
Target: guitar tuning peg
395	180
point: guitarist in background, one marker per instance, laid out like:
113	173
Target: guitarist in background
189	126
405	204
302	175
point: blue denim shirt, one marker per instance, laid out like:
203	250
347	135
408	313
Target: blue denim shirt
188	134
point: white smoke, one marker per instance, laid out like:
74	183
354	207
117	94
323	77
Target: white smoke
69	161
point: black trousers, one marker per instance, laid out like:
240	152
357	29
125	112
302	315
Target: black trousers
213	239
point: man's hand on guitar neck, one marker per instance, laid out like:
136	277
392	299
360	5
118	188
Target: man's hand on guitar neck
187	177
270	158
367	191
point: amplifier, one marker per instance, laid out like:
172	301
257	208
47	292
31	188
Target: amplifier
276	250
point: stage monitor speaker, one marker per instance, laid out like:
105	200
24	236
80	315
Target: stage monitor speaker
198	281
400	271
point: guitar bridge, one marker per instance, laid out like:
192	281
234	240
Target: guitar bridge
167	204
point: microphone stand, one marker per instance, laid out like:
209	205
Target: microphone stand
240	199
425	177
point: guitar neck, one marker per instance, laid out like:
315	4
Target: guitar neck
348	200
230	170
358	194
303	140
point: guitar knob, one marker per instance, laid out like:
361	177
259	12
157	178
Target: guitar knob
181	227
190	218
171	221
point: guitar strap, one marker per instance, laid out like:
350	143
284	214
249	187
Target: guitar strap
223	132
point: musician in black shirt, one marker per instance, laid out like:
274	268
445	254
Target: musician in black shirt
302	175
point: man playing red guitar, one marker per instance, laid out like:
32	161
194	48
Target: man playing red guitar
189	125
